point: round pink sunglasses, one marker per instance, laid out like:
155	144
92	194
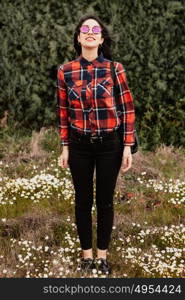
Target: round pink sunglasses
95	29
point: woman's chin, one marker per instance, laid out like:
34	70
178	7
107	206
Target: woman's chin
90	46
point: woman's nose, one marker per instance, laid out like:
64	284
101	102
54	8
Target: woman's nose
90	31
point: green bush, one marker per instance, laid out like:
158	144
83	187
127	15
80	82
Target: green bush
149	40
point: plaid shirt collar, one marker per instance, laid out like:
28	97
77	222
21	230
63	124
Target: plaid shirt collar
85	62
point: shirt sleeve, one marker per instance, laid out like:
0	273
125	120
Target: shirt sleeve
62	107
126	105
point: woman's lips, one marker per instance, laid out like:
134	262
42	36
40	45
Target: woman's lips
90	39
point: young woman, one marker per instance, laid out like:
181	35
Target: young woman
89	128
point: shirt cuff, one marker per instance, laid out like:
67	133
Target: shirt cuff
128	144
64	143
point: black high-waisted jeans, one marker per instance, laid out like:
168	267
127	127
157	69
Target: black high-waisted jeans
84	157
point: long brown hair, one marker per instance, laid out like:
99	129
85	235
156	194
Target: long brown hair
106	46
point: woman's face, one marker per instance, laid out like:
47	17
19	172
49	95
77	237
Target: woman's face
90	39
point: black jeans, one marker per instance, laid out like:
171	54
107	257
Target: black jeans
84	157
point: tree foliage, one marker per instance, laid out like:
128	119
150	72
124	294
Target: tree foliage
37	36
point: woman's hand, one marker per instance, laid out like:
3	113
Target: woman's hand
127	158
63	158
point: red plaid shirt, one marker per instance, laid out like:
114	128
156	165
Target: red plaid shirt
85	99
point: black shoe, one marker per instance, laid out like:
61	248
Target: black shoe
103	266
87	264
